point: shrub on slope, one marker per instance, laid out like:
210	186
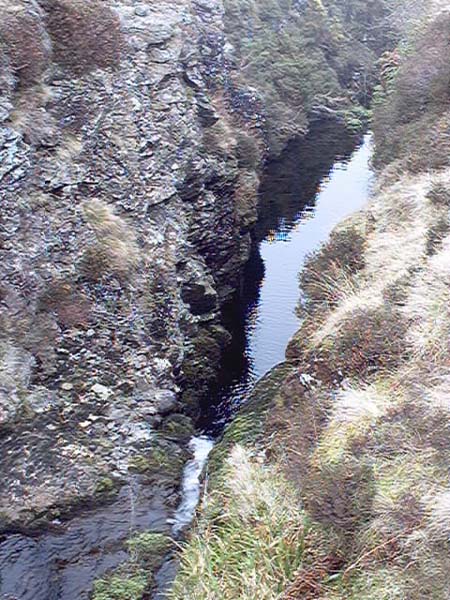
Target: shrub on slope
412	118
308	58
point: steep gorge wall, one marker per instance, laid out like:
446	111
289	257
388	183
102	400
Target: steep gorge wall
125	223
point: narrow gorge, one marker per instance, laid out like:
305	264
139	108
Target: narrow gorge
167	169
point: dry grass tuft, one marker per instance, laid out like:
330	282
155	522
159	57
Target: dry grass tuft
328	274
115	250
250	538
365	339
427	307
86	34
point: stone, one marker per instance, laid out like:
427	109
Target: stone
166	401
206	112
201	297
141	11
101	390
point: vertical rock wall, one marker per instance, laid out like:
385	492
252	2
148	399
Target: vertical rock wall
125	217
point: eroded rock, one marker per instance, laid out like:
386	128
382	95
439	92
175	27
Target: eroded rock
121	236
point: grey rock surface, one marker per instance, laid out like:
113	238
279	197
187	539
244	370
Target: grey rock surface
124	226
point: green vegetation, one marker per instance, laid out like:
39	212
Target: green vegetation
250	542
165	461
121	588
178	427
130	581
314	57
249	426
147	548
360	449
105	486
411	105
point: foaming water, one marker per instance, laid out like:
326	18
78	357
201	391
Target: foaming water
201	447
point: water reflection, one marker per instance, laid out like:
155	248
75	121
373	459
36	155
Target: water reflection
305	193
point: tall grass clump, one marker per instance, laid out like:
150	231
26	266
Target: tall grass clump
114	250
330	273
249	540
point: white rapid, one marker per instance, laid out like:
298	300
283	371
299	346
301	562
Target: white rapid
201	447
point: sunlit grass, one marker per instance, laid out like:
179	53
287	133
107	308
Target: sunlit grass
249	542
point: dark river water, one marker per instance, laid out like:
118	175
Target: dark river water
304	194
313	186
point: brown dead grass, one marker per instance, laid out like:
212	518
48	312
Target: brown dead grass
114	250
86	34
25	43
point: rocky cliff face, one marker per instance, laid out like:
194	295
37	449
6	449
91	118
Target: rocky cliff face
130	139
125	216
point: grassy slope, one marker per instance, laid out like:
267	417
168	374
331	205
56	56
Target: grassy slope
348	497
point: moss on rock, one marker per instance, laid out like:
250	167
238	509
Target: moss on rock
248	426
165	460
149	548
121	587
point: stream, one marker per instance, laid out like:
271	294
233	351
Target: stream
303	197
314	184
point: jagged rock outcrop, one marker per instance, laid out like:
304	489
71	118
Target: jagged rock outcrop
125	216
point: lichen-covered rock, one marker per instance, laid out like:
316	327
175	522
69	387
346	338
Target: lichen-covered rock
123	232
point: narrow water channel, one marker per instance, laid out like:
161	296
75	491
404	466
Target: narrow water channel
314	185
305	193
